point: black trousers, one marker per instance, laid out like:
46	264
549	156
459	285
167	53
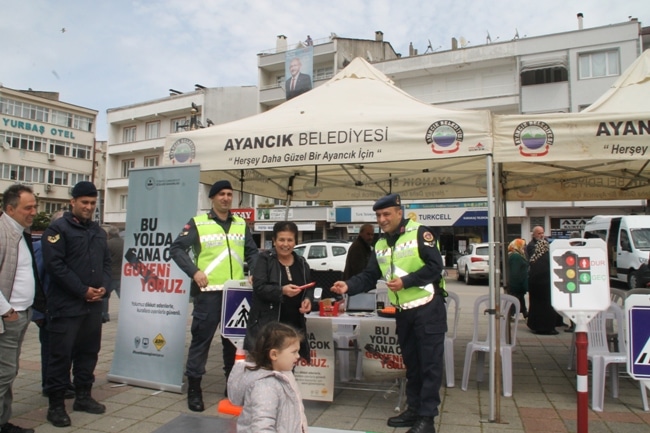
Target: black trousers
206	318
421	336
74	343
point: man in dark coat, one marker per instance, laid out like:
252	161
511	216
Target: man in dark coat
76	257
538	233
359	251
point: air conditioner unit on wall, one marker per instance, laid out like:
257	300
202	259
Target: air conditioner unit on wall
51	156
48	188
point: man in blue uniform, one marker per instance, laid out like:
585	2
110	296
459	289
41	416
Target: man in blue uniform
76	256
220	242
406	256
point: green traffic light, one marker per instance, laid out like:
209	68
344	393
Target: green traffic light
571	287
585	277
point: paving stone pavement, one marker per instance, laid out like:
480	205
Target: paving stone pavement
544	398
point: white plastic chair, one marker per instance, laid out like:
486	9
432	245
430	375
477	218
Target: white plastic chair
618	297
450	337
481	344
598	352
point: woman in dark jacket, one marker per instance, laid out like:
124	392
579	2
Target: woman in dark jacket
277	277
518	267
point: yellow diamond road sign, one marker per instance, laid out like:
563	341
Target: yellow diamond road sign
159	341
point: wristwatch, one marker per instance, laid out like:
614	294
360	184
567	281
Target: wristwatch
8	313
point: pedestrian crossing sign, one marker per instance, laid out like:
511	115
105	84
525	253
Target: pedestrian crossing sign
237	299
637	313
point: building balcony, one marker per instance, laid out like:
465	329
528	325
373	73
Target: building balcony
155	144
121	182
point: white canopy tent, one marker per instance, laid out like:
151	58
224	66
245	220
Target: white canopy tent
355	137
601	153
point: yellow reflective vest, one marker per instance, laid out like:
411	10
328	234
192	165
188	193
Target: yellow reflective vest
222	254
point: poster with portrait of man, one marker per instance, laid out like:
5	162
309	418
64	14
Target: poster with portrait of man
298	70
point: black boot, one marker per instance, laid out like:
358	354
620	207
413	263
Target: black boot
424	424
195	394
56	413
84	402
404	419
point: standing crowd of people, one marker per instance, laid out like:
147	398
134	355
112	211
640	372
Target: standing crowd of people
59	283
530	273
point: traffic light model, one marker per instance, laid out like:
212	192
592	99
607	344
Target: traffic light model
568	272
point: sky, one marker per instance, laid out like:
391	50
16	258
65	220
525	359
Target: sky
108	54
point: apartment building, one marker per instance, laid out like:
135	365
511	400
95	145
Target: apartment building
45	143
330	55
137	132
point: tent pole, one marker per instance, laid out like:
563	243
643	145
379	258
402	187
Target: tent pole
289	196
492	281
241	188
500	235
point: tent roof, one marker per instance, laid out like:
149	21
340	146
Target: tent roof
355	137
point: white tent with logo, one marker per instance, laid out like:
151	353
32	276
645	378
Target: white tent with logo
355	137
601	153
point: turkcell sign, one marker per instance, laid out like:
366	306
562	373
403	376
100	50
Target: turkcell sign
456	217
637	316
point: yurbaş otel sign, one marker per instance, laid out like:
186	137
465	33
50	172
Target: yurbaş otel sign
39	128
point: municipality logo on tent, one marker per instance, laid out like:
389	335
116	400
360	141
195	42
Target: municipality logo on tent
534	138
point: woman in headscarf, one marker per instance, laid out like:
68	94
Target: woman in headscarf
518	266
542	318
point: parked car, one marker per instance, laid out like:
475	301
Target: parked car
324	255
474	264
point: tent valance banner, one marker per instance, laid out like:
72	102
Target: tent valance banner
356	137
586	156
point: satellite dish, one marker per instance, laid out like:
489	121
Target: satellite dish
429	47
5	146
463	41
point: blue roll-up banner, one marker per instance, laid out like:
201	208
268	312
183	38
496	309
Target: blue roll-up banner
154	296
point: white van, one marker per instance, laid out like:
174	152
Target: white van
628	243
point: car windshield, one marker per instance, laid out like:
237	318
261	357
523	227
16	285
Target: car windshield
482	251
299	250
641	238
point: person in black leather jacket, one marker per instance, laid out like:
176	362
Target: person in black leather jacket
277	277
